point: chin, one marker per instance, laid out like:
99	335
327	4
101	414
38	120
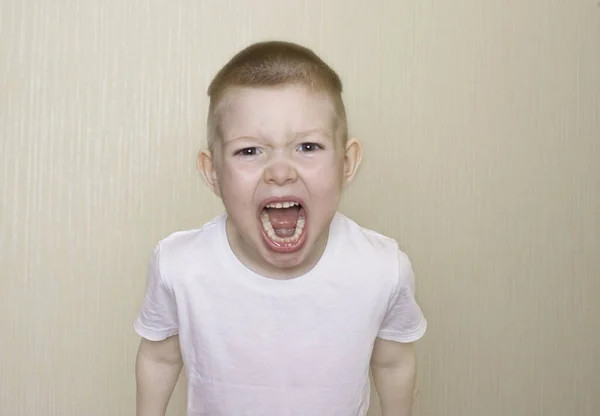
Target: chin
285	261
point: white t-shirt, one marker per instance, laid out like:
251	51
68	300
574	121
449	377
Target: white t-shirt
254	346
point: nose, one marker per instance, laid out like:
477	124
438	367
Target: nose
280	173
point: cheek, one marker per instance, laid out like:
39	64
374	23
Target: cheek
333	168
235	176
326	180
237	186
237	171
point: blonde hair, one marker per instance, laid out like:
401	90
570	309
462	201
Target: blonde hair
272	64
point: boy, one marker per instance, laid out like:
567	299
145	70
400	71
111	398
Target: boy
281	305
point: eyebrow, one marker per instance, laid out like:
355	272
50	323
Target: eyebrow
295	136
302	134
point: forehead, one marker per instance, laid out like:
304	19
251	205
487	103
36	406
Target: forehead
275	111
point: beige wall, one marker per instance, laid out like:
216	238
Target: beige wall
480	121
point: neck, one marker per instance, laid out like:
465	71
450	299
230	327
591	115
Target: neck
283	267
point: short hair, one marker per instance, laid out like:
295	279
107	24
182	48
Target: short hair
273	64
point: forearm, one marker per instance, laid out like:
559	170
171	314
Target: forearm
155	382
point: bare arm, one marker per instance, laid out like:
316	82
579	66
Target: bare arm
394	367
157	369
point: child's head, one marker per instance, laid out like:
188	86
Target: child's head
271	65
278	154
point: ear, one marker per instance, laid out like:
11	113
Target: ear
207	167
352	159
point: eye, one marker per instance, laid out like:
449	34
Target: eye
310	147
247	151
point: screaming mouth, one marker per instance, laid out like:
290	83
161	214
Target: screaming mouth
283	225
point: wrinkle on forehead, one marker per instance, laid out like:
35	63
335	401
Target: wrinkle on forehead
236	103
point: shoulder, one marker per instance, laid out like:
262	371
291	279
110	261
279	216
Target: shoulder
364	238
369	246
186	248
184	239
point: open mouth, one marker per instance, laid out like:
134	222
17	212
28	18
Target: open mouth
283	225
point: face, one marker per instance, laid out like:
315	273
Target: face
280	171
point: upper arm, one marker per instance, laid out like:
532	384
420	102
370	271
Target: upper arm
392	354
403	321
165	351
157	318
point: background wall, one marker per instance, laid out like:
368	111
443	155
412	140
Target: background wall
480	121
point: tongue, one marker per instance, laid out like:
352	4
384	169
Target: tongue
283	217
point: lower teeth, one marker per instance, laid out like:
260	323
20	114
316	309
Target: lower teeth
264	218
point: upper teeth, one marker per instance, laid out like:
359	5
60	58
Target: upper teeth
282	205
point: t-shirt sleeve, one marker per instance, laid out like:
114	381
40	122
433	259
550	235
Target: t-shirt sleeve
157	317
404	320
